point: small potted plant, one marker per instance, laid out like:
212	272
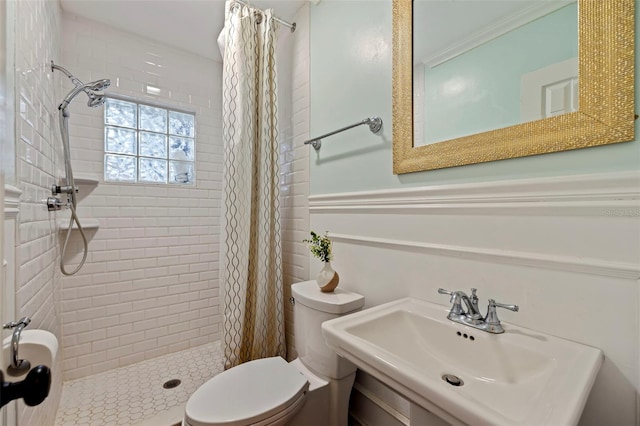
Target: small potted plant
320	246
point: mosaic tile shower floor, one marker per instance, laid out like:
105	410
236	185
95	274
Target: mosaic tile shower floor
134	395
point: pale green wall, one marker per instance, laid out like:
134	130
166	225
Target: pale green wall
488	77
351	80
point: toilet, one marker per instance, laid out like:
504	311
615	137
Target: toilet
311	390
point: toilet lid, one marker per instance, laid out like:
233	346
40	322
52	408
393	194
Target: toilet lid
246	394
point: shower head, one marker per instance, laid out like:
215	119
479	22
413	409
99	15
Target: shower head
95	100
99	85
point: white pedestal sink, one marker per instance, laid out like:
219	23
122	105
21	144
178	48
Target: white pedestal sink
520	377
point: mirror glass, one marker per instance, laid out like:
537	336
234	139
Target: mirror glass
475	123
481	65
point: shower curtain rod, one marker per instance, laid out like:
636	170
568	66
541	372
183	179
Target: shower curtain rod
374	123
292	26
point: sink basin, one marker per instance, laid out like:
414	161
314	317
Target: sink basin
39	347
520	377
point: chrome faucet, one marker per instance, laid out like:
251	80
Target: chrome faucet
18	366
457	312
472	316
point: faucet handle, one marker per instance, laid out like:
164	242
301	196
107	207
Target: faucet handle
514	308
456	300
474	298
491	320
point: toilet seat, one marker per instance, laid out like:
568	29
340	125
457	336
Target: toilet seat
256	392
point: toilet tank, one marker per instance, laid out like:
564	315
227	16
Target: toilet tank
313	307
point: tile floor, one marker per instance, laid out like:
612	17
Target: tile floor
134	395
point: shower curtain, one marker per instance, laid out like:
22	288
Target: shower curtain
251	258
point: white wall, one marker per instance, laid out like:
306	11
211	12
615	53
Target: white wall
565	250
150	284
37	41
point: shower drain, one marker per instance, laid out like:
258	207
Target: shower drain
170	384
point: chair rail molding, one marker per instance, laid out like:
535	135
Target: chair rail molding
602	194
513	257
576	224
11	201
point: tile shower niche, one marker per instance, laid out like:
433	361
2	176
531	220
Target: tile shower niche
85	187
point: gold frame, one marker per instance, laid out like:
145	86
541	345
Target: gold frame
606	97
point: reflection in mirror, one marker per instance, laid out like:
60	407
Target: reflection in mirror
482	65
605	99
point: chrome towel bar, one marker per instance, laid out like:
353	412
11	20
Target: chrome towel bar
374	123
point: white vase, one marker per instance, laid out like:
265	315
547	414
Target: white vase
327	278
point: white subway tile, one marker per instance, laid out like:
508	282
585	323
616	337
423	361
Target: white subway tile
104	344
90	359
131	338
120	351
145	324
120	330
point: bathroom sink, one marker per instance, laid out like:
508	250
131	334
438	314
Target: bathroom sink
39	347
518	377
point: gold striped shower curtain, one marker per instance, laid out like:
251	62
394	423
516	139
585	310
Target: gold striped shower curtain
251	255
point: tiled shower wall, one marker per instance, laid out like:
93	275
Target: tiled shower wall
295	171
150	284
37	41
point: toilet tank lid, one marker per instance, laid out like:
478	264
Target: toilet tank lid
340	301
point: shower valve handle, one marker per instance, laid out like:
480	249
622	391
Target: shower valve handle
57	189
54	204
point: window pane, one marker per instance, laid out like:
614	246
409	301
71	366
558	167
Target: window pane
119	140
180	148
181	124
154	119
152	170
180	172
120	168
120	113
153	145
148	144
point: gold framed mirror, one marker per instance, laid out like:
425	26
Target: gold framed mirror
605	96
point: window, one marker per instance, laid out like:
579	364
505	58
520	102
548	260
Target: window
148	144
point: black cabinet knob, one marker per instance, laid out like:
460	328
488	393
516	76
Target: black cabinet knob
33	389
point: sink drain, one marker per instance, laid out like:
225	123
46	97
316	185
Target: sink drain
170	384
452	380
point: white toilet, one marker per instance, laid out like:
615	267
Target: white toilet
311	390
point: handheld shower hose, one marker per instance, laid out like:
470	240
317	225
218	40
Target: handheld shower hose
95	100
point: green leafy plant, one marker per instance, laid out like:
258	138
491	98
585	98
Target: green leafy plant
320	246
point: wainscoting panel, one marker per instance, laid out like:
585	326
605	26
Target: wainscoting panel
566	250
